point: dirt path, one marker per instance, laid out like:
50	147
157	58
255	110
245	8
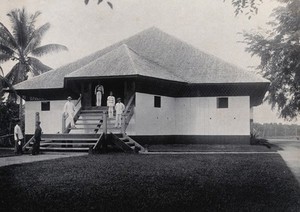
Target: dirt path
290	153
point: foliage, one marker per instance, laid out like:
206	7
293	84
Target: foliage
276	130
99	2
279	53
23	44
249	7
9	111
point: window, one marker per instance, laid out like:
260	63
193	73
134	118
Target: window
157	101
45	106
222	102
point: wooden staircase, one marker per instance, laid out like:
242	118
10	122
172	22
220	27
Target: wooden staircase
91	121
67	142
92	130
126	143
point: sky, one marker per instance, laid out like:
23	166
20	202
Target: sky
209	25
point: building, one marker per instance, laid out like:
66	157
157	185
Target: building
179	94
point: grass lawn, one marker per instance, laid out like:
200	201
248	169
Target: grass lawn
119	182
211	148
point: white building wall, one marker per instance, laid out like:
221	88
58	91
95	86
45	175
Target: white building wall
154	121
191	116
51	120
200	116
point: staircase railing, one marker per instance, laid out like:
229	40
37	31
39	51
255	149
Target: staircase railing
97	145
128	113
65	125
28	142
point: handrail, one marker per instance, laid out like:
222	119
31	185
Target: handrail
28	142
126	117
129	103
78	100
4	136
97	143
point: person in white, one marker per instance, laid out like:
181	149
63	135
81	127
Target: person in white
69	109
111	103
120	107
99	91
18	136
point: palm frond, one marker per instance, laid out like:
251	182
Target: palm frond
4	57
36	37
19	21
6	50
37	67
2	72
42	50
7	38
5	83
32	20
17	74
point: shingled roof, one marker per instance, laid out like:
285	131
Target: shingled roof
151	53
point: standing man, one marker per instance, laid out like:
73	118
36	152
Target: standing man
99	91
69	109
120	107
37	139
18	136
111	103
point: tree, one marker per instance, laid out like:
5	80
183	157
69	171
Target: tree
24	45
279	53
249	7
99	2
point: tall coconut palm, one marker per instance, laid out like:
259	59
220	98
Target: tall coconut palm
24	44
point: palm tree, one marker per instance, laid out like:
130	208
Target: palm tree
24	44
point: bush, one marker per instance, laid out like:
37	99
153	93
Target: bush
255	140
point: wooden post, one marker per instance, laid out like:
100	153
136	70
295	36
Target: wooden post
105	122
21	111
37	117
63	123
123	124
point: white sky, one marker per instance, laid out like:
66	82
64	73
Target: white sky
209	25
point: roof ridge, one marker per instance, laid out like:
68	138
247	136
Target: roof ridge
130	57
215	58
153	62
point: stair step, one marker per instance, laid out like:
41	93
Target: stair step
68	136
67	144
87	122
96	108
124	139
130	143
91	111
70	139
96	123
64	149
89	119
82	128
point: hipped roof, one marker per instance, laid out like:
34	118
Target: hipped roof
150	53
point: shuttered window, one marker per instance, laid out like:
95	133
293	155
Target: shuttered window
222	102
157	101
45	106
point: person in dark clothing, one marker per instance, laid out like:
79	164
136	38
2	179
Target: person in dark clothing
37	139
